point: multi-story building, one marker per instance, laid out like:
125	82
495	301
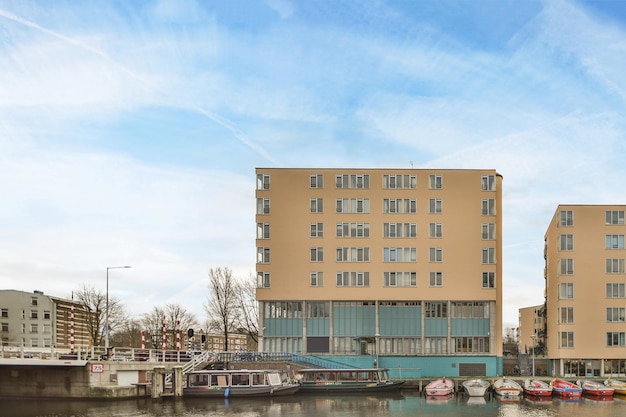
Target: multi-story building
585	297
531	328
400	263
35	320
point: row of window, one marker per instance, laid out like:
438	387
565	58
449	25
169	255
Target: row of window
362	254
362	205
613	339
611	217
613	315
613	290
362	230
612	266
566	242
33	328
321	309
32	314
390	279
362	181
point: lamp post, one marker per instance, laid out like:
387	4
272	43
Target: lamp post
106	316
533	338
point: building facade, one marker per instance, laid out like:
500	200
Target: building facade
35	320
585	297
391	262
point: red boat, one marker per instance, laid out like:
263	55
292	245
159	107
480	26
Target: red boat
595	388
566	389
537	388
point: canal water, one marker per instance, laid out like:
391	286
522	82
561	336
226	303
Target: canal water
303	405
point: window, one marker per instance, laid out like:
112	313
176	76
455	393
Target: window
400	279
353	229
317	205
436	279
262	230
488	182
262	182
5	327
399	181
615	290
436	310
615	314
353	205
353	279
489	279
566	218
567	315
353	181
317	181
263	255
353	254
47	328
614	242
400	230
566	339
400	255
489	207
263	280
615	217
317	229
262	206
566	266
34	328
317	309
435	182
33	301
4	313
435	230
435	206
488	231
614	266
34	314
566	291
489	256
435	255
566	242
46	315
317	254
317	279
616	339
399	205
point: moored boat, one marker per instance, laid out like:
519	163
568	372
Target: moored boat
565	389
476	387
238	383
507	388
346	380
618	386
595	388
537	388
439	387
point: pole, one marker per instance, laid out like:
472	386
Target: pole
533	338
106	316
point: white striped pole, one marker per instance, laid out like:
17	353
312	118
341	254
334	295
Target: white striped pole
72	326
164	345
143	342
178	335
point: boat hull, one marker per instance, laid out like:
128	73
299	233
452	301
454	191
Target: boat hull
507	388
235	392
439	388
566	389
537	388
476	387
349	387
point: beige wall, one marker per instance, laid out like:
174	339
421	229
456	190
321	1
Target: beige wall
530	324
589	278
462	243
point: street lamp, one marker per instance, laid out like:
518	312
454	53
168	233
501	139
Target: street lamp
106	317
533	338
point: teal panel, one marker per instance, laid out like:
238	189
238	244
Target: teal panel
318	327
354	320
470	327
436	327
400	320
282	327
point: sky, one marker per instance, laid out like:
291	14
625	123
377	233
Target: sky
130	130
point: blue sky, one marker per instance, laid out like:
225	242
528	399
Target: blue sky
130	131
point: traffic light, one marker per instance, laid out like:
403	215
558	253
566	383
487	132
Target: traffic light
190	332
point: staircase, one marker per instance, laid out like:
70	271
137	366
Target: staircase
198	361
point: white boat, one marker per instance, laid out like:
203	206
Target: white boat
507	388
476	387
618	386
229	383
439	387
537	388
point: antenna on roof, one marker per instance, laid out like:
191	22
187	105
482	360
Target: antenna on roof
411	162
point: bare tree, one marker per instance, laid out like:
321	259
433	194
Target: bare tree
128	334
175	317
249	308
95	301
223	305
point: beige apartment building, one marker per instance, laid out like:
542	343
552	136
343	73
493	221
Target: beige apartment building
585	298
396	263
